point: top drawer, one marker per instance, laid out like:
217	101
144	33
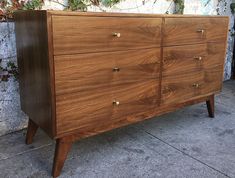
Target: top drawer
75	34
179	31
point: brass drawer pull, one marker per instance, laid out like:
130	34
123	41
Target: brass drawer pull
116	103
116	69
202	31
199	58
196	85
117	34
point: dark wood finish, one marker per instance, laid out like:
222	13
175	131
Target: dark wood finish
34	69
190	58
181	31
63	146
85	73
82	110
192	70
92	34
78	80
31	131
110	125
179	88
211	106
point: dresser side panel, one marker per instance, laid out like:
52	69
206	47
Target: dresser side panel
34	68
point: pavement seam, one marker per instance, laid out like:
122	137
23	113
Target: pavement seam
186	154
25	152
13	133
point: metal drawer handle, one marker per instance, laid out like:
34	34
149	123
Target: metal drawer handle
196	85
202	31
118	35
116	69
199	58
116	103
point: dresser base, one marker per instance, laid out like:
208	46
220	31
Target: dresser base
63	144
31	131
211	106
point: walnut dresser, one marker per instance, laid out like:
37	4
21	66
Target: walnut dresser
82	74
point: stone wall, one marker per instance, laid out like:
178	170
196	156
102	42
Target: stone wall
223	8
13	119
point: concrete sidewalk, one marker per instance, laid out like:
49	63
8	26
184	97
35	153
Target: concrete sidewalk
186	143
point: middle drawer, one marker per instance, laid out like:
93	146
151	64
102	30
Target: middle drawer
76	73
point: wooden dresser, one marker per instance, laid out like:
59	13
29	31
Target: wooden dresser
82	74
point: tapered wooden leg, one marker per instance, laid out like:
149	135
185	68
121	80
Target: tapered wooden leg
31	131
211	106
61	151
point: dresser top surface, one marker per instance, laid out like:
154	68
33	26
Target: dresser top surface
115	14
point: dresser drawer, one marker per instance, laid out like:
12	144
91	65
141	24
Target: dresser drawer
190	58
74	73
77	34
188	86
178	31
88	109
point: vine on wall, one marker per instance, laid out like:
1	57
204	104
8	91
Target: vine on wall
179	6
10	70
7	7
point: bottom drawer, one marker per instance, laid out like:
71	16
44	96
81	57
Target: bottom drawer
183	87
85	110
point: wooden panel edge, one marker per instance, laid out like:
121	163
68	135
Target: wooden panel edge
113	14
52	73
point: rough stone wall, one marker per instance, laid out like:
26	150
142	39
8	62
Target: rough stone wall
223	8
12	118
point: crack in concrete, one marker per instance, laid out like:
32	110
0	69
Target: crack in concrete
185	153
27	151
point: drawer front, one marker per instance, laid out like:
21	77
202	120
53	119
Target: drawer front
83	111
75	73
91	34
184	87
179	60
178	31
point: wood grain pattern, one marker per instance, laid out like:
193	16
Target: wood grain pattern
62	149
181	31
34	69
92	34
182	72
123	121
89	108
190	58
180	88
83	72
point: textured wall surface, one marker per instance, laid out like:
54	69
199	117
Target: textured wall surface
223	8
12	118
